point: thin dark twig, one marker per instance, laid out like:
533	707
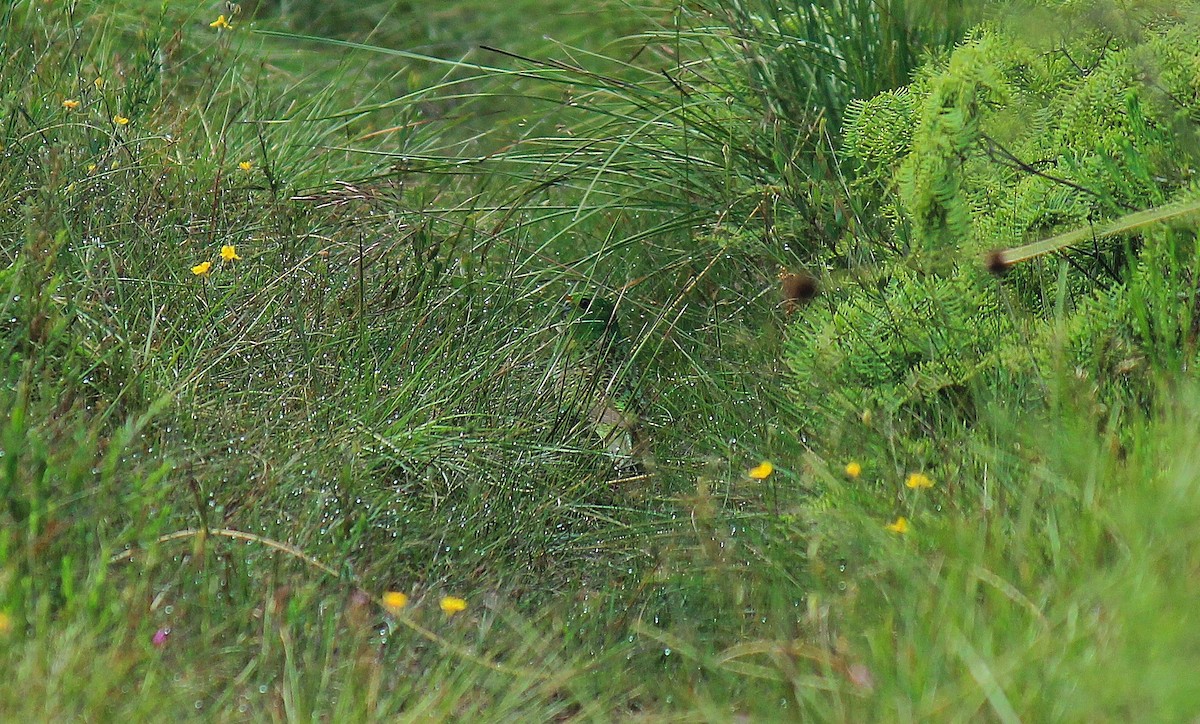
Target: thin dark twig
997	152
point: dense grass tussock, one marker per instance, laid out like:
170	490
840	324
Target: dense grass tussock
284	437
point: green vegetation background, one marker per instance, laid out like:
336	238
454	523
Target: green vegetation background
211	475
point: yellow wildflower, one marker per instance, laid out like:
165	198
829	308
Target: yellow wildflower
120	120
220	23
900	526
762	471
202	268
245	165
70	104
919	480
91	167
866	417
99	83
452	605
6	624
229	253
853	469
393	601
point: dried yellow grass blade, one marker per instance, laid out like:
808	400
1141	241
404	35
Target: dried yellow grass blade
1002	259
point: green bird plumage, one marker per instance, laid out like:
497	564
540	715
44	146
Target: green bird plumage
598	378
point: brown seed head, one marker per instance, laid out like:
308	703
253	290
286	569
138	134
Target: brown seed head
798	288
996	263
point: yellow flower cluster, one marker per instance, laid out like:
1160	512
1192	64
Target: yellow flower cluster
228	254
853	469
72	104
915	481
394	602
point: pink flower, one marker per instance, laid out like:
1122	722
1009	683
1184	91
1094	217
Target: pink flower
160	636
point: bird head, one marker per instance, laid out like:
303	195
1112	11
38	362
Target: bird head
590	320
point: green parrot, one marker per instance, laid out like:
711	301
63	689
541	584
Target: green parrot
597	376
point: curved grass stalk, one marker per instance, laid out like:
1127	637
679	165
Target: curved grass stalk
1002	259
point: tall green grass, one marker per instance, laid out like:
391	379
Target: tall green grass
210	480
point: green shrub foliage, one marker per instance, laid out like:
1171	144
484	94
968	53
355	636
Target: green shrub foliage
1015	135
